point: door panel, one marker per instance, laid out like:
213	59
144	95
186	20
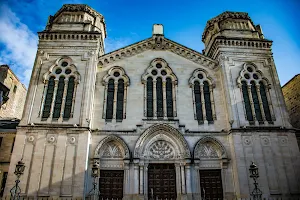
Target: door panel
162	181
111	184
211	184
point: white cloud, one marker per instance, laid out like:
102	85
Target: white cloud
112	44
19	44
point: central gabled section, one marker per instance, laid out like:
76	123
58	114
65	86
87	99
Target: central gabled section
160	94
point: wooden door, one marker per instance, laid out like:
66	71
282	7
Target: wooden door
111	184
161	181
211	184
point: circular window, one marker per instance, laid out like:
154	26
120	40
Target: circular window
68	71
154	72
64	64
255	76
58	71
200	76
158	65
246	76
249	69
116	74
163	72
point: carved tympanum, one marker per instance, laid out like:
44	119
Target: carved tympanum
161	149
111	150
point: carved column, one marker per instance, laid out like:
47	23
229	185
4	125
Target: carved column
270	103
115	100
182	178
141	178
136	178
126	177
43	98
125	101
53	99
146	179
178	179
188	179
203	103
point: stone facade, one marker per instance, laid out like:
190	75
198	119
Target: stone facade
195	122
291	93
13	106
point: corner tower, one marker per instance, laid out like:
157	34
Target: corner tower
54	133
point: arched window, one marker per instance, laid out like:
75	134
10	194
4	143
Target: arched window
59	93
48	98
159	98
115	82
265	102
247	101
160	82
202	88
206	91
120	99
69	98
149	97
255	95
59	96
198	103
169	89
110	99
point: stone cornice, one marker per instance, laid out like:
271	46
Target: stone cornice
249	43
64	35
157	43
223	16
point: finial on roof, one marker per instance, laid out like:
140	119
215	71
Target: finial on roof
158	29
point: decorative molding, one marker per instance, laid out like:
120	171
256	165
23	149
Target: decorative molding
51	139
72	139
265	141
162	132
118	141
283	140
209	147
247	141
157	43
161	150
30	138
110	150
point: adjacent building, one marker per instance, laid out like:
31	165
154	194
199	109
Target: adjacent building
160	120
12	100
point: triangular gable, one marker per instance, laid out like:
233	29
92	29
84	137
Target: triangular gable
157	43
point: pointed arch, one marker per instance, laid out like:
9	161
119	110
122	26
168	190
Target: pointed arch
165	136
116	141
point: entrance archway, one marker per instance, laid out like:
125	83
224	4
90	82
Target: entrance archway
162	152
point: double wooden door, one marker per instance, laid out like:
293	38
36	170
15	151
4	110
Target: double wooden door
161	181
111	184
211	184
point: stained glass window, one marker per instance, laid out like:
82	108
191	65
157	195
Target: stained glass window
110	99
207	100
198	102
69	98
256	102
120	99
149	97
247	101
159	98
59	96
169	95
265	102
48	98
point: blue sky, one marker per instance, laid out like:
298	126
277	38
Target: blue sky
129	21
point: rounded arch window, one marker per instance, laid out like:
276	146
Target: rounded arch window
58	71
64	64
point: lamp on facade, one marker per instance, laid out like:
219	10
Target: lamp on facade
16	190
256	193
94	194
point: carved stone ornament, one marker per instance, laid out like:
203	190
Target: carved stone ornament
209	147
51	139
161	150
111	150
72	140
113	146
265	141
247	141
30	138
160	132
283	140
157	43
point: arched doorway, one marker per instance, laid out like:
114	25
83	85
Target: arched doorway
161	155
112	155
